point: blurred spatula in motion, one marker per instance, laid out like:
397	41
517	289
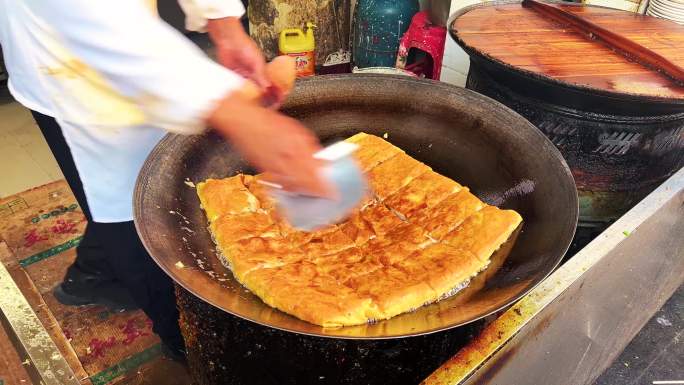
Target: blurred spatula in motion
309	213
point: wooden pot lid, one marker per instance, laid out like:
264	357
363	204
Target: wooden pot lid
580	45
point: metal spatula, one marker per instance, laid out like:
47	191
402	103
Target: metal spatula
309	213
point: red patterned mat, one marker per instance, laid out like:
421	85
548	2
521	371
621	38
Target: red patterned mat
41	228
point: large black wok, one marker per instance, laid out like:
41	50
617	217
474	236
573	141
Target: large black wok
461	134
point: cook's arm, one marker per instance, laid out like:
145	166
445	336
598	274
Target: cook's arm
142	58
177	86
234	48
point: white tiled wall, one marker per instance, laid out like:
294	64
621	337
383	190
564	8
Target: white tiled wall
455	63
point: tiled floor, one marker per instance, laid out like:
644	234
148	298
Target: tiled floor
25	158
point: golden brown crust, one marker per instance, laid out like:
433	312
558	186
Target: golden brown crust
232	228
393	291
347	264
380	219
328	243
422	193
227	196
418	238
372	150
248	254
260	191
393	174
442	267
397	244
484	232
357	229
448	214
299	238
317	298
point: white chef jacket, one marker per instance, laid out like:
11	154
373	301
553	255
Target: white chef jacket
116	78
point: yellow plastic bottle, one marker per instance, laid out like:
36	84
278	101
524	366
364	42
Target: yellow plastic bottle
301	46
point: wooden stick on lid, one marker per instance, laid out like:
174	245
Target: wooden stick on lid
626	47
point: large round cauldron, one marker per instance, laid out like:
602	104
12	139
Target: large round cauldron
461	134
619	144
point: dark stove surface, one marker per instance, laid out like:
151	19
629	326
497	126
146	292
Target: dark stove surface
585	233
224	349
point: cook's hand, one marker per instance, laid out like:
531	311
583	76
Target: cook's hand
273	143
237	51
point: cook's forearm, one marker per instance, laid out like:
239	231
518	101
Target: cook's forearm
224	28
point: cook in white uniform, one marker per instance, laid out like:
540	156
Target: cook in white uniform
105	80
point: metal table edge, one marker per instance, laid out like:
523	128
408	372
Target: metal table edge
44	362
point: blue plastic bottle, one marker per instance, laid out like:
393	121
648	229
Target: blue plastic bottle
378	26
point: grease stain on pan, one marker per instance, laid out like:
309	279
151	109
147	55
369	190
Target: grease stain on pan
497	198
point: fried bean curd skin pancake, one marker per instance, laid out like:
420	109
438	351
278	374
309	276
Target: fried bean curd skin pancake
484	232
448	214
424	192
417	238
301	290
226	197
397	244
232	228
372	150
393	174
357	229
380	219
260	191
